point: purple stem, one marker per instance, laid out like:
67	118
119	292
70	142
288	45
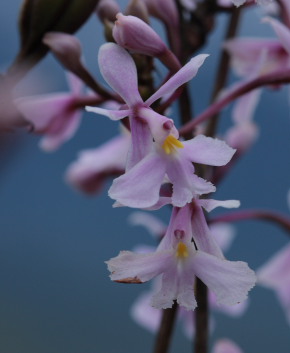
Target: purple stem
277	77
281	220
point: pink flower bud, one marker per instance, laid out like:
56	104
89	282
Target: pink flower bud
139	9
107	10
134	34
165	10
65	47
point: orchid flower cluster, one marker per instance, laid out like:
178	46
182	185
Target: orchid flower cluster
154	163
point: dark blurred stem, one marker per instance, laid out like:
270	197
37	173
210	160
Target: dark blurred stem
201	318
271	216
223	68
185	109
165	330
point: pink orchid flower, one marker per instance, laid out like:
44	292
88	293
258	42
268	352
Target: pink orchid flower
178	262
149	162
147	316
54	115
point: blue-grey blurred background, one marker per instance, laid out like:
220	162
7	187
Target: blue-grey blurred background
55	294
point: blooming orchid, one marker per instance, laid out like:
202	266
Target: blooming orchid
117	67
178	261
56	116
149	317
150	161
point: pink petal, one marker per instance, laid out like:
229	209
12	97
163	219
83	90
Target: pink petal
41	110
153	225
141	142
131	267
112	114
76	85
139	187
275	273
186	185
236	310
229	280
206	150
247	55
242	136
223	233
245	106
93	166
185	296
185	74
201	233
165	297
282	32
210	204
226	346
144	314
119	70
61	131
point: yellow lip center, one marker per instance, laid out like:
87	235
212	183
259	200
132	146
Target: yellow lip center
181	251
170	144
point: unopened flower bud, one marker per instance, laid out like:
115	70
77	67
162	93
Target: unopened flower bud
137	36
107	10
65	47
134	34
164	10
38	17
138	8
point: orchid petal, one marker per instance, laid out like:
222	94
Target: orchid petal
112	114
144	314
236	310
40	110
186	185
76	85
281	31
185	74
201	234
244	108
206	150
242	136
60	131
226	346
185	297
210	204
164	298
93	166
151	223
141	142
275	273
132	267
119	70
223	233
229	280
140	186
